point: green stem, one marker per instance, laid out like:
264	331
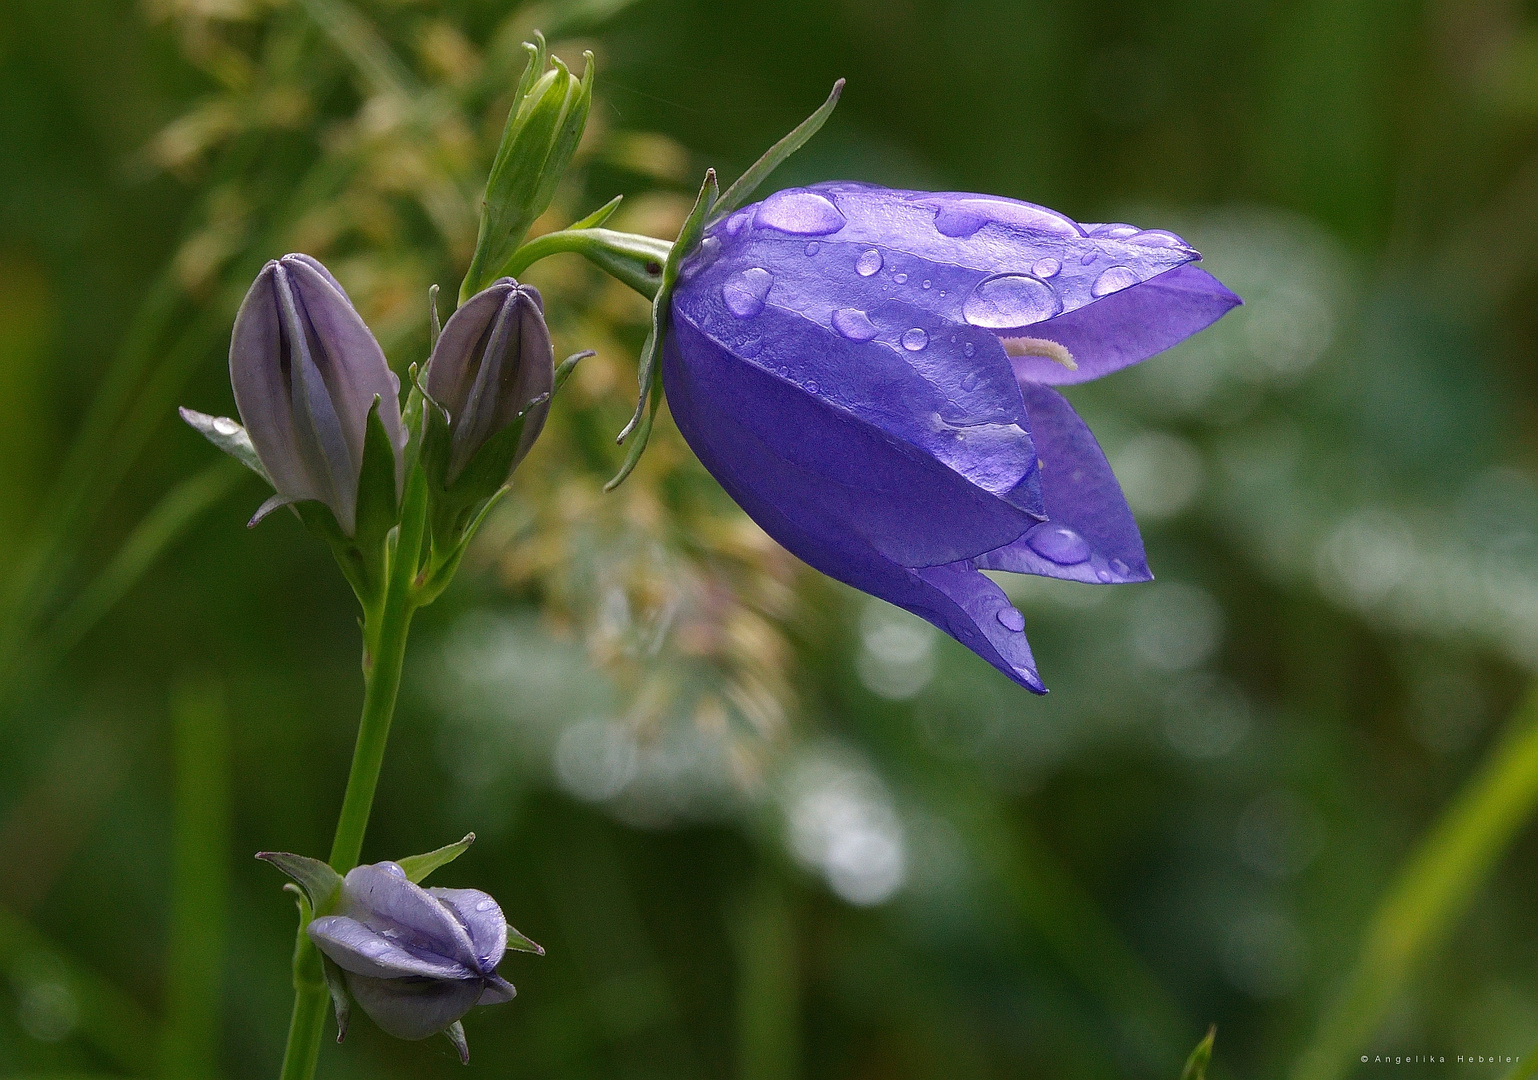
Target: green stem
384	635
1430	892
635	260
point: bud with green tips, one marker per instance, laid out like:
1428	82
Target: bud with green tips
544	126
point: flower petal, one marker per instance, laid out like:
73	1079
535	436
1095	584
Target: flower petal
837	473
1089	534
1128	326
821	527
412	1009
381	897
364	951
261	388
482	918
498	990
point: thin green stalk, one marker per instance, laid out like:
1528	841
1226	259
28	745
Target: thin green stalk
1429	894
384	652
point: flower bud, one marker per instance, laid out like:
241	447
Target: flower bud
415	959
306	371
493	367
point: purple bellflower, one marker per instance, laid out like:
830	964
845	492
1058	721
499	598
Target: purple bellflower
869	373
306	371
416	959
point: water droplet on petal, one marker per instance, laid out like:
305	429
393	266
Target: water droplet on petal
969	380
811	387
1115	279
811	247
854	324
1057	543
1089	257
1157	238
901	279
709	249
804	213
1011	619
738	221
1120	567
968	349
1046	268
223	425
868	264
1103	575
1007	301
927	283
486	904
1114	230
914	340
745	292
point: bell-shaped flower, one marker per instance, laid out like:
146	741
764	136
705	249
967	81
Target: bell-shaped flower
869	373
492	370
306	372
416	959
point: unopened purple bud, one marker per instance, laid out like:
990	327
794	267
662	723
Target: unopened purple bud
415	959
492	364
306	371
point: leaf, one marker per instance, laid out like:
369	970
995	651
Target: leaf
567	366
775	156
599	216
228	436
321	884
651	386
1196	1064
519	943
378	483
418	867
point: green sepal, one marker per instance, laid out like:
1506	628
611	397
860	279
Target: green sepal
417	867
446	562
689	235
1196	1064
322	885
633	259
454	502
228	436
599	216
455	1033
775	156
336	986
378	486
519	943
564	369
543	129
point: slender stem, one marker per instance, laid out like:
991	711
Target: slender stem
384	651
1430	892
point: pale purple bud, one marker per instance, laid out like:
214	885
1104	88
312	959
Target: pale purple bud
305	371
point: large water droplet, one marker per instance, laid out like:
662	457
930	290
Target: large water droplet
223	425
1011	619
1008	301
854	324
1114	230
914	340
961	218
1157	238
1115	279
745	292
1057	543
804	213
868	264
901	279
1046	268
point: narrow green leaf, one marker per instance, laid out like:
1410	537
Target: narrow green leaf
417	867
759	171
228	436
564	370
1196	1064
651	386
599	216
518	942
321	884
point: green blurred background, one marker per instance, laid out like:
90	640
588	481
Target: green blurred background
765	827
